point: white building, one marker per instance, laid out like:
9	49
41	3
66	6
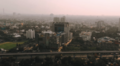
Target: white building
22	30
86	35
14	27
16	35
30	34
105	39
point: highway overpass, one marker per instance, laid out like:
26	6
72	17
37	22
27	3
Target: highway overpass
65	54
48	53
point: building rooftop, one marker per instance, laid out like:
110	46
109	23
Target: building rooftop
104	39
48	31
85	33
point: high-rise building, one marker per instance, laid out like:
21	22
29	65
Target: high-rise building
30	34
63	19
62	28
48	39
56	19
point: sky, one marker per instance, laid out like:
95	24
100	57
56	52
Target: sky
61	7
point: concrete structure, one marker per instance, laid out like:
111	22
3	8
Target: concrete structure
16	35
59	35
22	30
62	28
99	24
14	27
77	26
56	19
74	54
30	34
63	19
48	39
106	39
86	35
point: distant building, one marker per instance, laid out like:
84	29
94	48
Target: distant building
99	24
56	19
16	36
61	27
22	30
59	35
105	39
51	39
5	31
77	26
86	35
14	27
106	28
30	34
48	39
63	19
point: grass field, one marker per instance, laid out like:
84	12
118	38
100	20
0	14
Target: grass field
9	45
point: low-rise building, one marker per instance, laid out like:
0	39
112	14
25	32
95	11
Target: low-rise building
85	35
106	39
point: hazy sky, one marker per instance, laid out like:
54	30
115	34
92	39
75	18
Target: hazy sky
71	7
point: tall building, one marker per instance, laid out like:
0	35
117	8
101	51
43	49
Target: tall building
62	29
56	19
63	19
48	39
60	34
30	34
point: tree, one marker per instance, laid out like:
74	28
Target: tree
37	59
48	61
58	57
78	62
116	57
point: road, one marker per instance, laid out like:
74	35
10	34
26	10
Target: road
82	54
49	53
